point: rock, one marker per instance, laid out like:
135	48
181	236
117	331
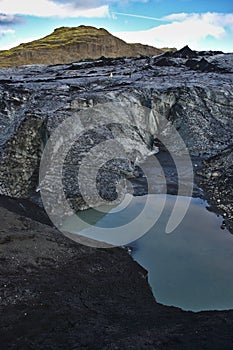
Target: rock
203	65
164	61
218	187
210	53
21	157
134	108
185	52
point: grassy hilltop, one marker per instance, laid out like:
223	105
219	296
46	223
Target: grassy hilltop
69	44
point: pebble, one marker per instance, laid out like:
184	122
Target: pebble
215	174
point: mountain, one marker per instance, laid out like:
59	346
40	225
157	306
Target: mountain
67	45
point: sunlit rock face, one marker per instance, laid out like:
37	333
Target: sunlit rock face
131	101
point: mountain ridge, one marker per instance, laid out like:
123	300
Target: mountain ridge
70	44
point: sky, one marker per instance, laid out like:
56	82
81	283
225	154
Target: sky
201	24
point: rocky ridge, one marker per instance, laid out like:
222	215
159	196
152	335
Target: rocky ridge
143	95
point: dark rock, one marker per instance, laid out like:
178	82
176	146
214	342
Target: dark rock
185	52
203	65
38	98
21	156
164	61
217	180
210	53
57	294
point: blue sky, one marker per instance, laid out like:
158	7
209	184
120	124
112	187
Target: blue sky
202	24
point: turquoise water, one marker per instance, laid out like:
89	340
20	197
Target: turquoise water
190	268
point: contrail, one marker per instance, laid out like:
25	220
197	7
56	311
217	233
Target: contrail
139	16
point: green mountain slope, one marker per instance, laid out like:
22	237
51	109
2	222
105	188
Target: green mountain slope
67	45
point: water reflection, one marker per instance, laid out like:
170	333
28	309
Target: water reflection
190	268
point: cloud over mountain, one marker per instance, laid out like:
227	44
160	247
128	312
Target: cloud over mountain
181	29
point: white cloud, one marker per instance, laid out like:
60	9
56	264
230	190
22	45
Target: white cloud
9	19
184	29
4	32
225	20
96	3
176	16
49	8
7	31
222	19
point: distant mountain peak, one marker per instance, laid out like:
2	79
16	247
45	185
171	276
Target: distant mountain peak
70	44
